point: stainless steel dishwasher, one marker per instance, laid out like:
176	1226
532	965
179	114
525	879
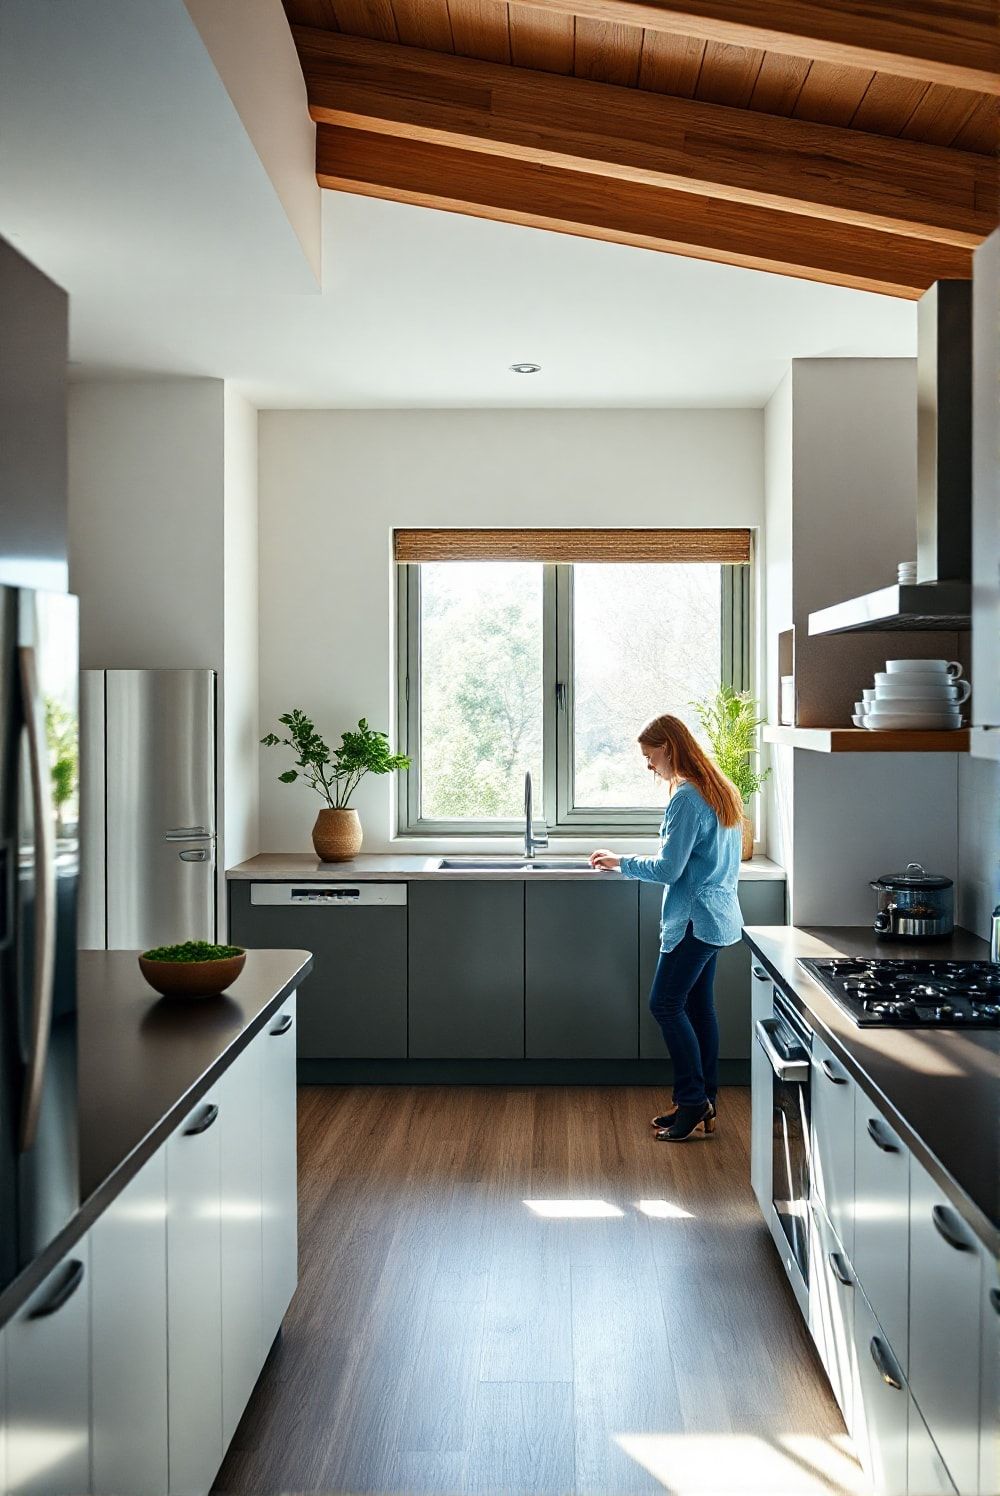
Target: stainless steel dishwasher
353	1005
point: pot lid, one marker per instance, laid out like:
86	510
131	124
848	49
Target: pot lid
914	877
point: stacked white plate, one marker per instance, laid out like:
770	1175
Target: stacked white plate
914	694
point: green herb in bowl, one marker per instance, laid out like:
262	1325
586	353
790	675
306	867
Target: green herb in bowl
194	968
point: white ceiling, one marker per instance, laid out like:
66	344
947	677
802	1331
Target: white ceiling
126	175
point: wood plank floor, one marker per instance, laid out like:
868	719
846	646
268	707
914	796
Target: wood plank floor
446	1337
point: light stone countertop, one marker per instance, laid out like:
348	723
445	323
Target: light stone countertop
403	868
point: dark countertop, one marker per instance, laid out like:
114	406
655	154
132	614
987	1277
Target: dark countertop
939	1088
143	1063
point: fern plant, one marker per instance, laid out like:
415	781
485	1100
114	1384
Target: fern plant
730	721
334	775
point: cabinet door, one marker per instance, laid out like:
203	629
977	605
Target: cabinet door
881	1404
761	1092
832	1289
989	1400
882	1221
240	1132
48	1384
763	903
832	1096
927	1474
353	1003
279	1190
128	1356
581	970
466	971
194	1301
946	1279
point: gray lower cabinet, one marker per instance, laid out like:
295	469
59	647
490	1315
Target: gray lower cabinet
128	1337
832	1291
761	1093
881	1405
831	1092
352	1006
946	1276
279	1189
466	970
581	970
989	1393
763	903
926	1472
240	1127
881	1216
48	1384
194	1301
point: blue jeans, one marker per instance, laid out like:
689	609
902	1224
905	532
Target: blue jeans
682	1002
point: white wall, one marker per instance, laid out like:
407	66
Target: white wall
978	890
334	485
240	695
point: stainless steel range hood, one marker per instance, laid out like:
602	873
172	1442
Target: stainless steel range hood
941	598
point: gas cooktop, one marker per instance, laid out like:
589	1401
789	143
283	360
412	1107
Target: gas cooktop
885	993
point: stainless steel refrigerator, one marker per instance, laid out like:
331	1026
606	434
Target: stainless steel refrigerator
39	868
149	758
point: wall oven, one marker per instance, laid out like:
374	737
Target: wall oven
786	1042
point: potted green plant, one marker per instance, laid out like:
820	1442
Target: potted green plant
337	834
730	721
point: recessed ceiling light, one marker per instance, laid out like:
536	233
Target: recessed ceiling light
525	368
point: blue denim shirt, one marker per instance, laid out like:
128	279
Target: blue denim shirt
699	862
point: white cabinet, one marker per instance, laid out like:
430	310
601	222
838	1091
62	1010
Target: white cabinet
946	1279
832	1289
882	1221
239	1097
926	1472
48	1384
989	1401
881	1411
194	1301
278	1164
832	1096
761	1108
128	1342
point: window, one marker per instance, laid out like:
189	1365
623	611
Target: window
507	665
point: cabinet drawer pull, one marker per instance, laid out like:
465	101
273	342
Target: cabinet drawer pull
878	1139
942	1218
883	1365
284	1024
840	1271
65	1291
831	1073
203	1123
760	974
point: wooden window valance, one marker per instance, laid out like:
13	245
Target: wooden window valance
724	547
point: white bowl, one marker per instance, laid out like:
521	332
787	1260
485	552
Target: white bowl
861	707
924	706
896	721
858	720
869	695
909	683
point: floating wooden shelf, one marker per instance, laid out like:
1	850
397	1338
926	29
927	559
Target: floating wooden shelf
860	740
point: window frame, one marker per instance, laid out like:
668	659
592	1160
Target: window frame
554	803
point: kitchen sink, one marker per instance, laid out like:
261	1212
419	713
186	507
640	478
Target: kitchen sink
513	865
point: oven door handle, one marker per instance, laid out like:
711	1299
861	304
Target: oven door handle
794	1071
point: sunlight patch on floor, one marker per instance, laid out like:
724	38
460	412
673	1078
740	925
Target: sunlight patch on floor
573	1209
663	1210
743	1465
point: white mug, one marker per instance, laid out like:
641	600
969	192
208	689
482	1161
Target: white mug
942	667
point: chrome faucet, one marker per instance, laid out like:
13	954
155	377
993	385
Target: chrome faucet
531	841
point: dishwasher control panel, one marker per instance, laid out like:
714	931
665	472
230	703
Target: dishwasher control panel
329	895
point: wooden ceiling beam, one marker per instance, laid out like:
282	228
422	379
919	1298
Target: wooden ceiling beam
955	42
845	176
626	212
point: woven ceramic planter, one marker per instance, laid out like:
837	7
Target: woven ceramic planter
337	835
747	828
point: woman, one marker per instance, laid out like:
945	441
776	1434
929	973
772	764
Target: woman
699	861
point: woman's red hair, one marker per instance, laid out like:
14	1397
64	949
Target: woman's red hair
689	761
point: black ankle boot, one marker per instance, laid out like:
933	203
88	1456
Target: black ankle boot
687	1120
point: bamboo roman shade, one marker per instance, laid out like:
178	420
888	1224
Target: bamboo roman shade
724	547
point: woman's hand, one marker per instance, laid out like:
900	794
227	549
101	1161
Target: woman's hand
605	862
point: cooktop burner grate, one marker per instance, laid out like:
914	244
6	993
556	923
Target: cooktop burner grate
880	992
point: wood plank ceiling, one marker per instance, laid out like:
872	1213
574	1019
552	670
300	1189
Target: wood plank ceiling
848	141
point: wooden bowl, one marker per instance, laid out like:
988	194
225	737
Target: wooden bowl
192	978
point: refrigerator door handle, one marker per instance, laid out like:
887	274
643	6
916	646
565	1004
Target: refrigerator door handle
189	833
45	893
